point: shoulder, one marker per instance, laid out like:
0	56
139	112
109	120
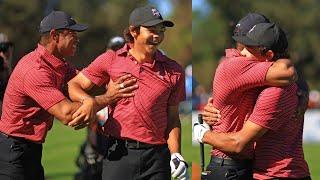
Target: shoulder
280	94
108	54
171	65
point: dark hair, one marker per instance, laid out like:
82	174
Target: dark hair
126	33
277	55
44	37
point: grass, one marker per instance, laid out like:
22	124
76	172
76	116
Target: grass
63	144
60	151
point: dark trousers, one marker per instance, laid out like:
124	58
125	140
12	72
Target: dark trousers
20	159
124	161
228	169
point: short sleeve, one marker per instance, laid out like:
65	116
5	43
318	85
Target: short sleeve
97	71
41	87
178	92
274	107
246	74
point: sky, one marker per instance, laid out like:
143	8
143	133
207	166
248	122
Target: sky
201	6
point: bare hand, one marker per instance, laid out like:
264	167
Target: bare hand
210	114
85	114
121	88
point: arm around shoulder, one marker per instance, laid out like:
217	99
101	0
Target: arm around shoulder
281	73
235	142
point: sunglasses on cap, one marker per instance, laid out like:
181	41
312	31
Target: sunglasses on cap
4	46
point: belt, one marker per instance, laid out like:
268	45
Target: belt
231	162
20	139
131	144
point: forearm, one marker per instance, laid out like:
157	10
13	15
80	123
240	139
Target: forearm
64	110
102	101
68	112
174	130
281	73
174	139
77	93
80	95
226	142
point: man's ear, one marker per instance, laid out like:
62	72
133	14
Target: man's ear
269	55
133	31
54	35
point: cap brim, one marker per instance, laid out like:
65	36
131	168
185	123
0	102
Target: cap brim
158	21
245	40
78	27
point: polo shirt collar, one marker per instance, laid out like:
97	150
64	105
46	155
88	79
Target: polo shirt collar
124	51
49	58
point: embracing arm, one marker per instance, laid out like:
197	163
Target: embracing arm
63	110
281	73
237	141
79	86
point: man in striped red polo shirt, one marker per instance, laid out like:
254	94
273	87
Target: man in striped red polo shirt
145	129
236	87
273	124
37	92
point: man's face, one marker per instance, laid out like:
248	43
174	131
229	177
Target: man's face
67	43
253	52
151	36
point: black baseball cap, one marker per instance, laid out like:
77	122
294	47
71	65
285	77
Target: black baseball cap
268	35
60	20
147	16
247	22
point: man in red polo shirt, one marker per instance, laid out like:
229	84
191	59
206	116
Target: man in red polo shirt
278	149
235	90
36	92
142	130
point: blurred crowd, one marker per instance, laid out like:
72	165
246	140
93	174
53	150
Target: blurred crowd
314	99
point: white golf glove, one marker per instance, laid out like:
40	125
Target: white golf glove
179	167
199	130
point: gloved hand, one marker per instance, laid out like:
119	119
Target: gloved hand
199	130
179	167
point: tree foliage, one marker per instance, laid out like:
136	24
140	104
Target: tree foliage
106	18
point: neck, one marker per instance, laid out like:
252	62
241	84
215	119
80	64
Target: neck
142	53
52	49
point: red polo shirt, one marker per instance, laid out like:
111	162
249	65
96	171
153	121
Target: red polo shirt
279	152
234	94
37	83
143	117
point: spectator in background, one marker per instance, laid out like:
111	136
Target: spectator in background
6	51
115	43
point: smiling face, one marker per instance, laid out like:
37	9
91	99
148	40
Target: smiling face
149	38
67	42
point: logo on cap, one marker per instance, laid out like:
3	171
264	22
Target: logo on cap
155	12
251	29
